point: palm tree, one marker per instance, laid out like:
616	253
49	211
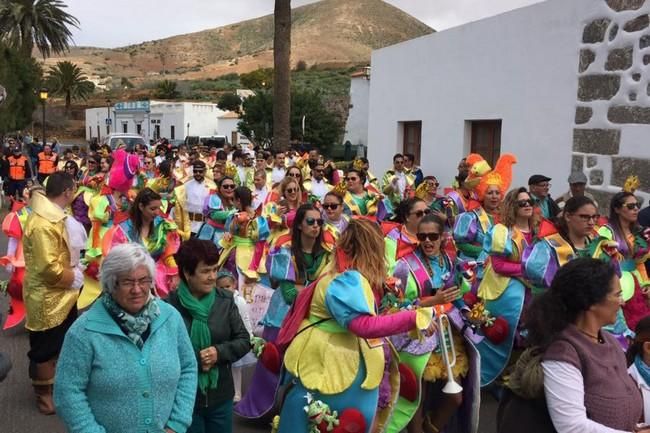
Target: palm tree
44	23
67	79
282	74
166	89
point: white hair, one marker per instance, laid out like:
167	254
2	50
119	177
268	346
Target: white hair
123	259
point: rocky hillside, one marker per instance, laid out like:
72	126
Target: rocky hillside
327	33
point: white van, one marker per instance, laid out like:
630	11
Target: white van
129	139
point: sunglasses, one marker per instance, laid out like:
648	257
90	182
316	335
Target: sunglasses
587	218
198	171
434	184
431	236
524	203
291	190
632	206
311	221
293	174
421	213
228	186
148	162
332	206
351	179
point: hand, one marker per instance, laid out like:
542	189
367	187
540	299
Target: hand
227	237
445	296
432	329
440	214
168	430
208	357
282	210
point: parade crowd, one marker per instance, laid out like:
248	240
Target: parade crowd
149	278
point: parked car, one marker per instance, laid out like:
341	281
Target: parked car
129	139
206	140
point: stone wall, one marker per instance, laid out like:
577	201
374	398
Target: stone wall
611	136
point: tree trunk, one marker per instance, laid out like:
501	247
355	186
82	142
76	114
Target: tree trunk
282	75
68	102
27	40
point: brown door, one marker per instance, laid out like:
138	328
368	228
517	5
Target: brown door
486	139
413	139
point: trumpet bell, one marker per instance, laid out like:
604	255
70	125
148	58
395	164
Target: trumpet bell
452	388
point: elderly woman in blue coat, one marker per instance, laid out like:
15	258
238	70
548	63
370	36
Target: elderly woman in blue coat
127	365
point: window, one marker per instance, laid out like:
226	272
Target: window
486	139
156	134
412	139
99	135
138	128
172	133
125	127
90	131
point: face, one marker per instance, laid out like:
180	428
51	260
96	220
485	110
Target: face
260	164
607	309
313	155
249	162
582	221
408	162
540	189
92	165
398	163
492	198
151	210
71	169
203	280
419	210
226	283
432	186
524	205
198	173
295	173
629	211
279	160
259	181
105	166
133	289
577	189
333	208
353	182
47	149
227	188
430	238
148	164
463	167
311	224
291	191
318	172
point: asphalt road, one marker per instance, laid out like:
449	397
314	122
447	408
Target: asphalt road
18	412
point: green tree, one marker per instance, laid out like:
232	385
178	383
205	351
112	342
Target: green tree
20	76
261	78
282	74
68	80
229	102
257	119
41	23
166	89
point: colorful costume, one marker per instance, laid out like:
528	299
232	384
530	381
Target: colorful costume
243	253
12	227
162	244
165	187
183	215
398	243
216	214
504	291
422	276
368	204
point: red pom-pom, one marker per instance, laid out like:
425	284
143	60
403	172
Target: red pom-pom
408	383
470	299
350	421
93	271
270	358
498	332
15	289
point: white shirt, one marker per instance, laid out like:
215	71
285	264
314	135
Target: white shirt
196	194
645	391
77	239
565	398
401	182
319	188
278	174
241	172
259	197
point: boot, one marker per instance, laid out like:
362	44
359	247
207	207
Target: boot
42	375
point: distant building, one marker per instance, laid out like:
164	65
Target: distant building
155	119
356	127
561	84
228	127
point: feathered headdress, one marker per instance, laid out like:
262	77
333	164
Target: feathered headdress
631	184
358	165
125	167
477	168
501	176
340	188
231	170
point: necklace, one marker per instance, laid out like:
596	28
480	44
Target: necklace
596	338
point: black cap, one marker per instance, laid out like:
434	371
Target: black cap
538	178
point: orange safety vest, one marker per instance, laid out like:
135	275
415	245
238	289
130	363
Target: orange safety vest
46	163
17	167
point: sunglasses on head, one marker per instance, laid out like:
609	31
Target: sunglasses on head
431	236
421	213
632	206
311	221
524	203
228	186
332	206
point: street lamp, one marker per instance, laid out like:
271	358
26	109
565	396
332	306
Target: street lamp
108	116
188	130
42	95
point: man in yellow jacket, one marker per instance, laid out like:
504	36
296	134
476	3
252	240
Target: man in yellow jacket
51	283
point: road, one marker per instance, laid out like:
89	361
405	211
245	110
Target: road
18	412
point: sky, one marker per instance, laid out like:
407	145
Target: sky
124	22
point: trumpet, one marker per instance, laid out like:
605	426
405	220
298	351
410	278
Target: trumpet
444	334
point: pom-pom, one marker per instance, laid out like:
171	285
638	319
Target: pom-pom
497	331
470	299
408	387
270	358
351	421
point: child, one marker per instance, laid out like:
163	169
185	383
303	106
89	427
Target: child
226	281
638	360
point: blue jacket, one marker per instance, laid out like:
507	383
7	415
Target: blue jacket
105	384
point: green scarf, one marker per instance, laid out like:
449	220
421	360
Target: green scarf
200	309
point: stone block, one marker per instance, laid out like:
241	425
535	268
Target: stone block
639	23
622	167
599	141
629	114
592	161
613	32
594	32
583	114
587	57
598	87
636	77
596	177
577	162
644	42
619	59
625	5
603	198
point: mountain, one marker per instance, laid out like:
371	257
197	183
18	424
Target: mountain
327	33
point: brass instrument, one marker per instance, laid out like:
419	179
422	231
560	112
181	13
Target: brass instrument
444	333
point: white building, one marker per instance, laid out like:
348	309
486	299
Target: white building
356	126
155	119
228	127
561	84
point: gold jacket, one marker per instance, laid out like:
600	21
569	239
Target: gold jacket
48	274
